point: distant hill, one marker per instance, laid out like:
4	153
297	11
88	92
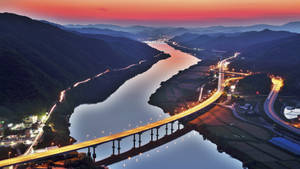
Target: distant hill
139	32
108	32
284	51
101	26
229	42
122	46
290	27
40	59
271	52
148	32
280	57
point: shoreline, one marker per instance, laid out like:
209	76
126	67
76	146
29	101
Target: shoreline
92	91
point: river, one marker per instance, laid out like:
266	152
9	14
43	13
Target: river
128	108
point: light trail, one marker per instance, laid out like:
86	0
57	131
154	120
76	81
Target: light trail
132	65
100	74
81	82
62	95
269	106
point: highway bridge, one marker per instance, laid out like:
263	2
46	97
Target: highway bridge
153	128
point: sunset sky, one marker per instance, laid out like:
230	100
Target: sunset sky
158	12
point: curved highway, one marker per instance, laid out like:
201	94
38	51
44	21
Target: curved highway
37	156
269	106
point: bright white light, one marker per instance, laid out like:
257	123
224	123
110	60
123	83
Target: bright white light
34	119
10	125
28	142
232	87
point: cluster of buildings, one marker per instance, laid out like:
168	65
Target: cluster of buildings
20	133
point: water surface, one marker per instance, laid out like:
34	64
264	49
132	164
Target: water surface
128	108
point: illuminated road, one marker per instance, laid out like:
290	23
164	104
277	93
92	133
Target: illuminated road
269	106
222	66
61	99
237	73
41	131
98	141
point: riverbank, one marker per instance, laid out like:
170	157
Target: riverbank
96	90
184	88
200	53
244	141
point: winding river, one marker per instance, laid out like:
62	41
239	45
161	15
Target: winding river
128	108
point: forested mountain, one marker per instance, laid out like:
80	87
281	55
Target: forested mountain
235	41
39	59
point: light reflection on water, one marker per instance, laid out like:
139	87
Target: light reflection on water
128	108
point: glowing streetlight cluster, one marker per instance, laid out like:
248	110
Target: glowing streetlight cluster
277	82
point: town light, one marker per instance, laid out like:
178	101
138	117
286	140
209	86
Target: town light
10	125
232	87
277	83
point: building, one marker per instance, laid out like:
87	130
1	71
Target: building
291	112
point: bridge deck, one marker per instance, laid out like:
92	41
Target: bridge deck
95	142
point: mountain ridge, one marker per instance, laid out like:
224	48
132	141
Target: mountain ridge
40	59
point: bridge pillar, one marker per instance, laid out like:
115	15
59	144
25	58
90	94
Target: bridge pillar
134	141
119	147
89	152
167	129
94	154
172	127
140	139
113	148
151	134
157	135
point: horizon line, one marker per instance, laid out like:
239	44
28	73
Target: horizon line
152	23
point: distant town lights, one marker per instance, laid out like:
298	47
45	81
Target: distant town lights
34	119
44	118
226	64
